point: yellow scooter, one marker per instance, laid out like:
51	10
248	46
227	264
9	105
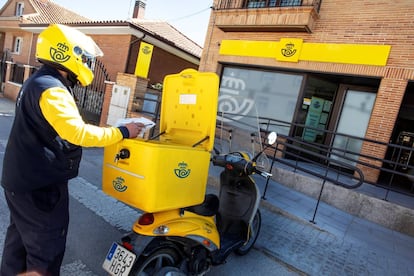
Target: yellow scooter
189	240
182	231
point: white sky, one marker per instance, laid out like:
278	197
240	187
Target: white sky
188	16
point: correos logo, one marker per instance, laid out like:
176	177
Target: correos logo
182	171
118	184
59	54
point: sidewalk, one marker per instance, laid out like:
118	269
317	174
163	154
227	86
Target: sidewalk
336	244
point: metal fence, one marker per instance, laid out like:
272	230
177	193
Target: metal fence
17	73
90	98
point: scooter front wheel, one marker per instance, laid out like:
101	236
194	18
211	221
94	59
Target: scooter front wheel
161	262
253	234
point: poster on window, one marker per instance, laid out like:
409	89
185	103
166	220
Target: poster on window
313	119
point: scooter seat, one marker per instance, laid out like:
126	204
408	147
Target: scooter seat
209	207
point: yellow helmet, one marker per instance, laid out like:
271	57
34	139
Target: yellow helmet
68	48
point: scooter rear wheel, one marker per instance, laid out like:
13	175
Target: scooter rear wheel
161	262
253	234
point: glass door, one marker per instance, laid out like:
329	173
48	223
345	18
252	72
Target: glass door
354	117
314	111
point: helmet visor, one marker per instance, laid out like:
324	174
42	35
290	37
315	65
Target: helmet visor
87	58
91	48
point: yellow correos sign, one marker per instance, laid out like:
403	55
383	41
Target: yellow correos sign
144	60
294	50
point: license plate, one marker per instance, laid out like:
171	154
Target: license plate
119	260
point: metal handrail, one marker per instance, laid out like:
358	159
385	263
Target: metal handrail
342	167
353	176
388	165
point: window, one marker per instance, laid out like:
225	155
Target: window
18	44
256	4
19	8
284	3
249	92
150	104
272	3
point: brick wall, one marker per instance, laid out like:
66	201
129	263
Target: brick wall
115	48
352	21
162	64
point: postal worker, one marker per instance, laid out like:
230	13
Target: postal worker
44	151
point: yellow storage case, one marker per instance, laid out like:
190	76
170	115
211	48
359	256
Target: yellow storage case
171	172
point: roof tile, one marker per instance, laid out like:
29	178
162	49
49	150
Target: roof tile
166	31
50	12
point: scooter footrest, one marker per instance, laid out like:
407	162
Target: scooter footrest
227	245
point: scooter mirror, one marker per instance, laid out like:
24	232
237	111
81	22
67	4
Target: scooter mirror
271	138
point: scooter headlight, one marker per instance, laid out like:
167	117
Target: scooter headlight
161	230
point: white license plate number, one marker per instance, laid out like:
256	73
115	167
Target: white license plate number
118	261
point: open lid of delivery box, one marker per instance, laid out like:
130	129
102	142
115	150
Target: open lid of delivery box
189	108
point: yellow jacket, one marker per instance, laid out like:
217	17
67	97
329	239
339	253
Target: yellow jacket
60	110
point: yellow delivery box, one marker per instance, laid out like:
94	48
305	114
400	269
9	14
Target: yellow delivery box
157	176
169	170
